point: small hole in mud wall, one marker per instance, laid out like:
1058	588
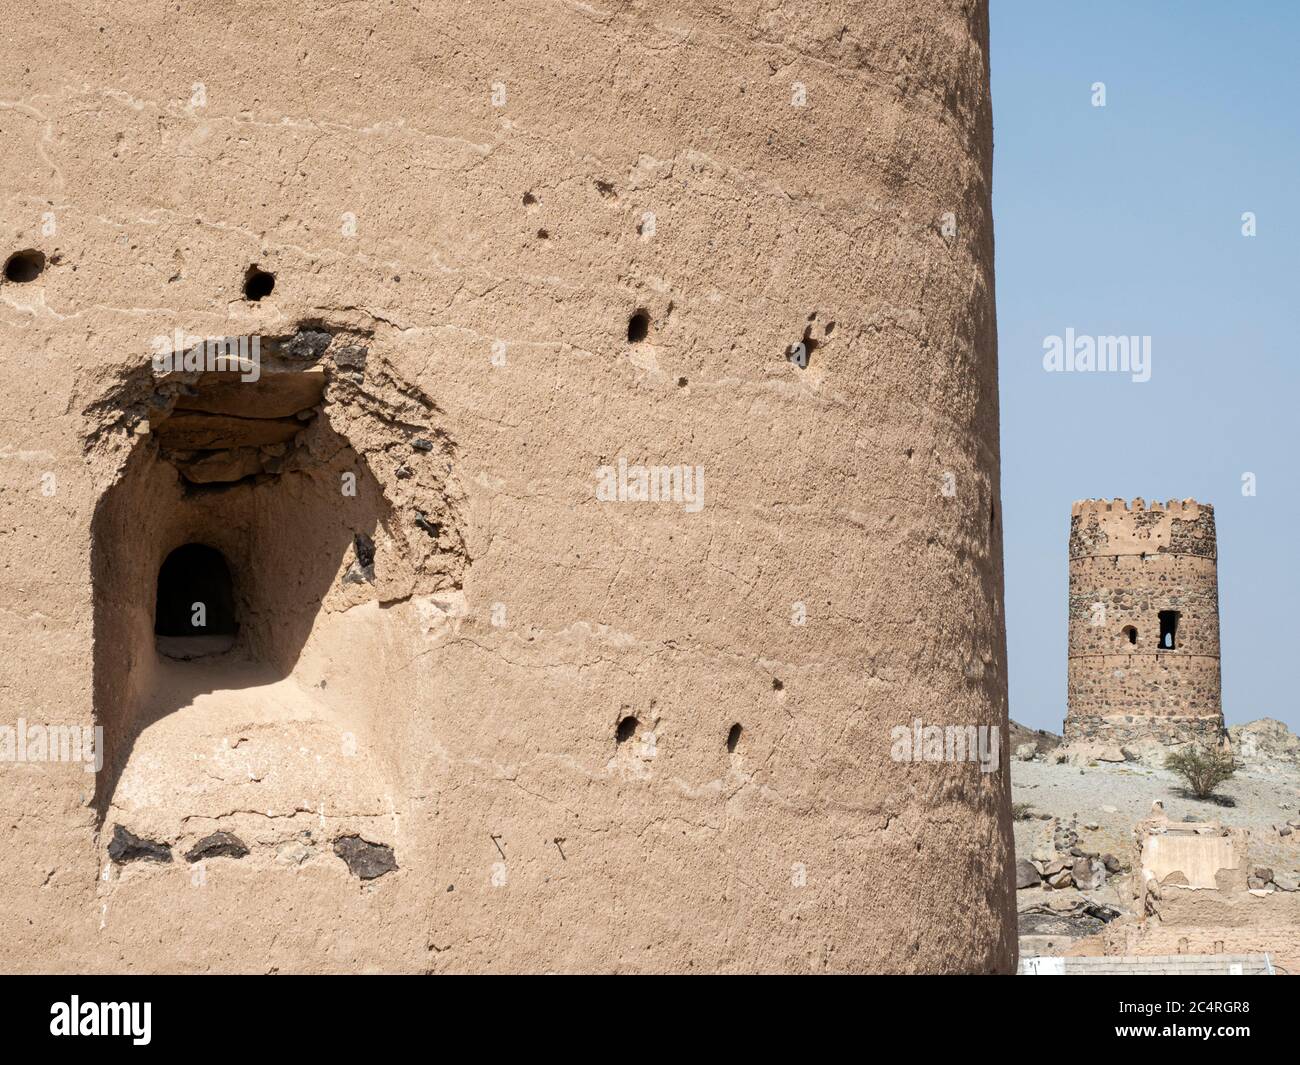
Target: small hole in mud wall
626	730
24	266
195	610
258	284
733	738
638	327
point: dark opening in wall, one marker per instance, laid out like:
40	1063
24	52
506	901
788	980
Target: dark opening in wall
1168	630
638	327
289	498
733	738
258	283
626	730
24	266
1129	633
195	608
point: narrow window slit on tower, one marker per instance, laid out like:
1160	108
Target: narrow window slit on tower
1130	634
1168	630
195	611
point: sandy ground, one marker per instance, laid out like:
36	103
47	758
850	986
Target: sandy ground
1116	796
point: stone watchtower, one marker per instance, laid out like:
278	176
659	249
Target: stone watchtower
1144	623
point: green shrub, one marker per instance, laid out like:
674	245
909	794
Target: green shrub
1203	768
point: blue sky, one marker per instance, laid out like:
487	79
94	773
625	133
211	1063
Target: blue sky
1126	219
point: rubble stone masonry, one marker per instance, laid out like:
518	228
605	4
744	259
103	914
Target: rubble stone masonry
1144	623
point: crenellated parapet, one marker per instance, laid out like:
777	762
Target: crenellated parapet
1119	527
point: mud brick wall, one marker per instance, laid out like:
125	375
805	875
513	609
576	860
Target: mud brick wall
488	717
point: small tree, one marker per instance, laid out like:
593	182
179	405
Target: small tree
1203	768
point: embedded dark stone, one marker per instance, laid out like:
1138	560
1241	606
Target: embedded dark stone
351	357
365	860
421	444
127	847
217	845
308	344
423	522
365	549
433	528
362	571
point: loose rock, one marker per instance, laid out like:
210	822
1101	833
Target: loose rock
1026	875
1088	874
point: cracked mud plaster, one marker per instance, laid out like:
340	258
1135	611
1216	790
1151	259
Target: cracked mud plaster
445	656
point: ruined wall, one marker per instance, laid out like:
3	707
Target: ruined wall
1196	891
1129	563
549	724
